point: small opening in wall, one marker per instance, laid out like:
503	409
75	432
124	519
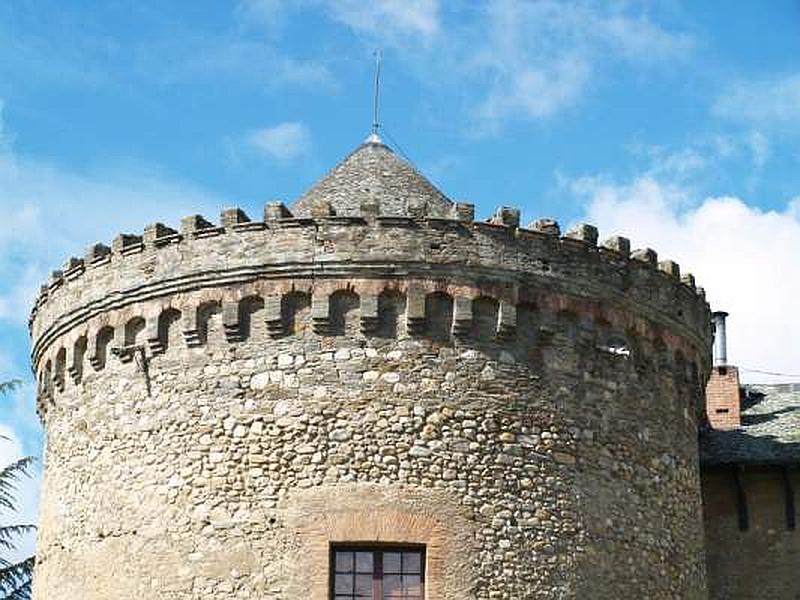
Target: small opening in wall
723	411
617	347
436	246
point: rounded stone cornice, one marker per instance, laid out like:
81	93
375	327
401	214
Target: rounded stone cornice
514	260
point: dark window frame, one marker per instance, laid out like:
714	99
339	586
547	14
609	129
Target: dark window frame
377	550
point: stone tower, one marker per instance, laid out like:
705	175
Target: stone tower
247	409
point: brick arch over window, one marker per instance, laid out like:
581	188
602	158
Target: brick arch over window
367	514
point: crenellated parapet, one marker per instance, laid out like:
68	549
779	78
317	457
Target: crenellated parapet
136	291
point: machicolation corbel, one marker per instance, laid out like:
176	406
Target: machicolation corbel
320	313
415	311
462	316
506	320
190	329
369	314
231	320
273	316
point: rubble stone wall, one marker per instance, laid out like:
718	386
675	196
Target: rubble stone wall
224	402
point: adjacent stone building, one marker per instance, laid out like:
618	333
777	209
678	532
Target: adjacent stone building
749	479
371	394
750	470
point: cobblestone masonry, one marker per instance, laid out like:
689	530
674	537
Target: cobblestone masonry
224	401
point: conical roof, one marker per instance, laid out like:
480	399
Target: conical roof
374	175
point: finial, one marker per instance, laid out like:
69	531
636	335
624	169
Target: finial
376	124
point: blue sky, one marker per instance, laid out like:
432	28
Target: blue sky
675	123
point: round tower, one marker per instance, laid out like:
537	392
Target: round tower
370	393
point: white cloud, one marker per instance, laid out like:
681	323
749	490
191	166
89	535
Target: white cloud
744	257
16	302
767	101
284	141
400	23
759	148
677	164
2	125
706	156
243	60
176	51
49	213
270	14
537	92
530	59
395	21
539	58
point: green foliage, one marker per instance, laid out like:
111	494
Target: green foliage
10	385
15	577
9	477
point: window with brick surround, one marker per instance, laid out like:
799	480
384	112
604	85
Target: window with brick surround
377	573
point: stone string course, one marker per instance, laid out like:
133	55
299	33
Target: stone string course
223	402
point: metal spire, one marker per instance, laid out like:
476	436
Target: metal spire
374	138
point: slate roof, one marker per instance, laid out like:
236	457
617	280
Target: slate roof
770	431
374	173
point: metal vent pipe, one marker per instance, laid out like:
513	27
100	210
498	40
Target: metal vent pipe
720	341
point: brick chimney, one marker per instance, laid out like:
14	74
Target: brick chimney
723	405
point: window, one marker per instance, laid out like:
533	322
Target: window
382	573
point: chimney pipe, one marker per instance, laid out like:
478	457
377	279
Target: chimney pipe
720	341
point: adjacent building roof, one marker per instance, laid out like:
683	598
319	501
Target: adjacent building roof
374	175
770	430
